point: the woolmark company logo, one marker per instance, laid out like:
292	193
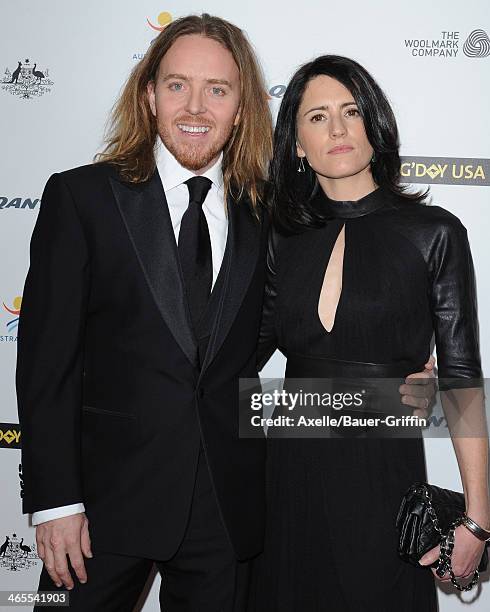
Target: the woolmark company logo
27	81
446	170
16	555
448	45
477	44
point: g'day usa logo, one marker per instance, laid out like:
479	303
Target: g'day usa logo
16	555
10	435
445	170
26	80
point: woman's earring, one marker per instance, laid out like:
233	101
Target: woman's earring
301	167
373	158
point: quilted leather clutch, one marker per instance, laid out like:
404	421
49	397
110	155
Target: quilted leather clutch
427	517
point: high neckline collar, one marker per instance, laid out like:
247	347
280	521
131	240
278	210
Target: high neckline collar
350	209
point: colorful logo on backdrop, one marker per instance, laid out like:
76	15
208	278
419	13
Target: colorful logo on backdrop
449	44
27	80
16	554
18	202
162	21
446	170
10	435
13	312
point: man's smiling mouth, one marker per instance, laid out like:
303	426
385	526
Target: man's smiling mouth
193	129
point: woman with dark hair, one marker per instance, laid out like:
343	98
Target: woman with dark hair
362	274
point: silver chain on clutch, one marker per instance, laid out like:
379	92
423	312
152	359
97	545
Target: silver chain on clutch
447	545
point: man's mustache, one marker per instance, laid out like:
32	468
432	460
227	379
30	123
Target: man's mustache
195	121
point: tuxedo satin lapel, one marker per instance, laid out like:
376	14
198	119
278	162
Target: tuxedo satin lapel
145	213
243	245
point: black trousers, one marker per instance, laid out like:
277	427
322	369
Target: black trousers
203	576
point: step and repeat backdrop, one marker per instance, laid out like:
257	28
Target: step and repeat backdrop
62	64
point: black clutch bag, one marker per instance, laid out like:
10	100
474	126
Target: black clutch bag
428	516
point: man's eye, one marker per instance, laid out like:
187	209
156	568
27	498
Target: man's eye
176	86
218	91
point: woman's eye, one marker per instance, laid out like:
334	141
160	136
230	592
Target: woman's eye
353	112
317	118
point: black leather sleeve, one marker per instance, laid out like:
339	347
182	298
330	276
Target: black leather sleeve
453	298
268	337
50	353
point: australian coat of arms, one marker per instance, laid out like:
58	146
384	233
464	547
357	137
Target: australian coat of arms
16	555
26	81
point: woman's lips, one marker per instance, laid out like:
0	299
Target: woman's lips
340	149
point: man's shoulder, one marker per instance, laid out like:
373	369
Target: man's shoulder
89	172
86	185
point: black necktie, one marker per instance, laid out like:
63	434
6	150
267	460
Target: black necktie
195	249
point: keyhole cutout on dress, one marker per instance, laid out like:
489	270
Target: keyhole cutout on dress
332	283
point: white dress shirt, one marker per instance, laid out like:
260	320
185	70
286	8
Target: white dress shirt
173	177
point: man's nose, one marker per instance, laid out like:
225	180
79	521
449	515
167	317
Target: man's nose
195	103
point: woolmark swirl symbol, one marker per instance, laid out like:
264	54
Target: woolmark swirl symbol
477	44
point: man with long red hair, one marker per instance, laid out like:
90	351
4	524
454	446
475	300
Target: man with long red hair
128	377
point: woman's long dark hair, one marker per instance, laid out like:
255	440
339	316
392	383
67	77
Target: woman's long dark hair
292	191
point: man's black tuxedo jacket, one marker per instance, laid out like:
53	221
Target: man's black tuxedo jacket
112	403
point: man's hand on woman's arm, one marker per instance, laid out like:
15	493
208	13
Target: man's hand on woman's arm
420	389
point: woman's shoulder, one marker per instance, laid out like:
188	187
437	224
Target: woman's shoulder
433	230
426	216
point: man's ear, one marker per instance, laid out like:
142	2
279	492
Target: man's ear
150	92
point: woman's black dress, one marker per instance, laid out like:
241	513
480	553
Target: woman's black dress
331	542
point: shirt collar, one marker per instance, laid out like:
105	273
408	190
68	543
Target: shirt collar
173	174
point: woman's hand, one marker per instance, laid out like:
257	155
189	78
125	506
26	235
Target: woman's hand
467	553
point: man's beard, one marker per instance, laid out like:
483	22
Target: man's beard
192	156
